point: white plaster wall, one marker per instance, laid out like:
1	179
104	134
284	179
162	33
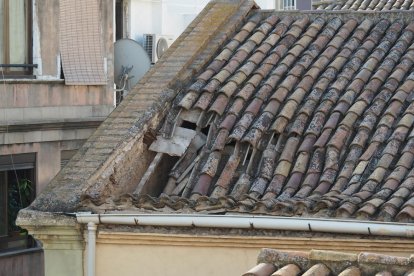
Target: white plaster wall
161	260
167	17
266	4
177	14
145	17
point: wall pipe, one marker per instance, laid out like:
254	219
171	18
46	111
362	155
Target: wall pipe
254	222
91	247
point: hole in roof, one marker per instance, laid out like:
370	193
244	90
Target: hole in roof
205	130
189	125
157	181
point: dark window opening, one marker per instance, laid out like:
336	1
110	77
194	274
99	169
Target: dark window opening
17	191
119	19
15	39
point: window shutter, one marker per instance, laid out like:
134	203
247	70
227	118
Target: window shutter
81	42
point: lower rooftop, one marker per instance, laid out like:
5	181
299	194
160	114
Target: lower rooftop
319	262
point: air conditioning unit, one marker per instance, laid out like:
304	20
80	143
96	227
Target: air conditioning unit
155	45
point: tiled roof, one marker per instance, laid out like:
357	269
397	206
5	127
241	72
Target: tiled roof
317	262
301	115
368	5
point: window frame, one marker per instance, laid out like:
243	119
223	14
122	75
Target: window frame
12	165
289	4
5	67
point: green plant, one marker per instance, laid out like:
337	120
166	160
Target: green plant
25	192
19	197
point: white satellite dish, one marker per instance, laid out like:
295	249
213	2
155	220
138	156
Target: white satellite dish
162	46
131	63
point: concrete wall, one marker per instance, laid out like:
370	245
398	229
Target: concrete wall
38	100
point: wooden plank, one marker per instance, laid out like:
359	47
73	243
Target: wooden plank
145	178
177	145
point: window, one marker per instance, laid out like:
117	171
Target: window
17	191
83	58
289	4
15	38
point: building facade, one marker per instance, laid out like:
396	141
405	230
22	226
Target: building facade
293	4
56	87
256	128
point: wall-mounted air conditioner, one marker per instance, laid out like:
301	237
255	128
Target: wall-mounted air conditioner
155	45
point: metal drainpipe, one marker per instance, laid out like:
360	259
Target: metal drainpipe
91	248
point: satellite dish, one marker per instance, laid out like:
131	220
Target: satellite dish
131	62
162	46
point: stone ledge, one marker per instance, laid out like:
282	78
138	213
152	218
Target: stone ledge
36	219
26	126
55	231
33	81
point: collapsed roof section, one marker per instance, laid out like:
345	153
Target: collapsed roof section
298	115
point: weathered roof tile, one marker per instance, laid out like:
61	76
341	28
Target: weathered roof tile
364	5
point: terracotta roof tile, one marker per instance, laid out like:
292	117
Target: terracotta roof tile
220	104
204	101
319	262
290	269
365	5
261	269
202	185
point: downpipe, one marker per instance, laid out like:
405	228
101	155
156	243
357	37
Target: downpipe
91	248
